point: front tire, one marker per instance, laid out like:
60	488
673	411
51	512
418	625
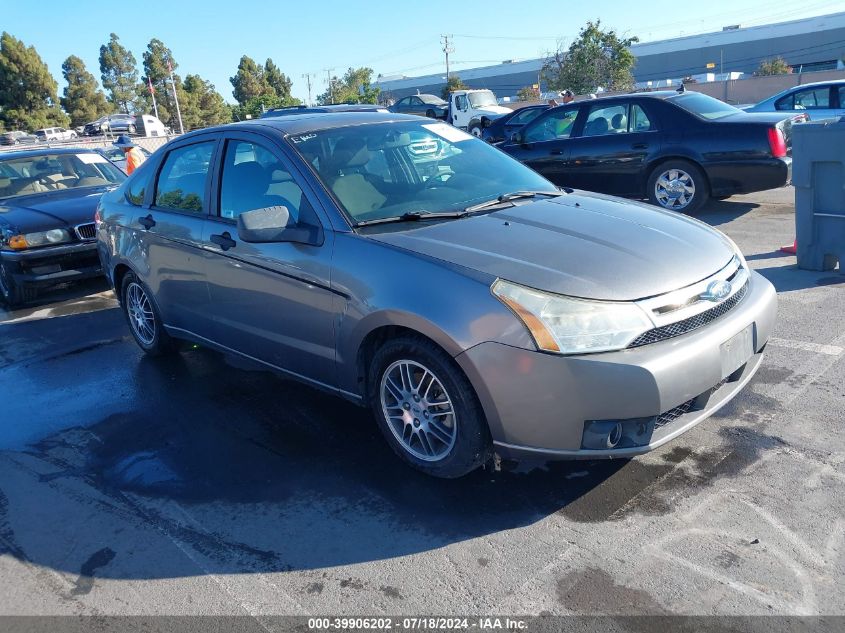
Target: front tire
430	114
475	130
131	130
678	185
143	317
427	409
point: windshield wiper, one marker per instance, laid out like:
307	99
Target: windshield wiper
508	197
413	216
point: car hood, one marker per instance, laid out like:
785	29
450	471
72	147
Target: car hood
55	209
582	245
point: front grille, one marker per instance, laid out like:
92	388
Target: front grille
693	323
673	414
86	231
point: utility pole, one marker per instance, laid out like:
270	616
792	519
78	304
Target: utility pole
175	98
307	77
447	48
329	82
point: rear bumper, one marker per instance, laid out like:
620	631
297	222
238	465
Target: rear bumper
749	176
538	404
52	265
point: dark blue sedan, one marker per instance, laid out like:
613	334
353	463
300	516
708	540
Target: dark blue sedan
47	232
502	129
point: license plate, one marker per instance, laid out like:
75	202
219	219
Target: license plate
737	350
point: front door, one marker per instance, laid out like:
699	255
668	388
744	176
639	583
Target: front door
543	144
270	301
460	110
612	150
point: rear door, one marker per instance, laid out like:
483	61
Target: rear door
271	301
612	148
170	229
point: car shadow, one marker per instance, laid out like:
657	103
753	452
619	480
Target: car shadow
61	300
254	473
789	278
718	212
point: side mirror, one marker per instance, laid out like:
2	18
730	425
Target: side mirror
273	224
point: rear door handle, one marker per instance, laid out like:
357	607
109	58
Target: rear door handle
147	222
639	146
224	241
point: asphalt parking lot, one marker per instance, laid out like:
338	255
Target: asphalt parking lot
200	485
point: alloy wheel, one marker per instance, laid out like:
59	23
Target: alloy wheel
418	410
674	189
140	312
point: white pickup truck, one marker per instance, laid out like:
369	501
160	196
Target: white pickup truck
469	109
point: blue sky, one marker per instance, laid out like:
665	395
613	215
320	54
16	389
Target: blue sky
209	37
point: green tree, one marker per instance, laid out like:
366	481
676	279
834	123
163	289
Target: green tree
776	66
528	93
158	60
454	83
83	101
203	104
249	82
277	80
28	92
253	108
354	87
118	73
596	59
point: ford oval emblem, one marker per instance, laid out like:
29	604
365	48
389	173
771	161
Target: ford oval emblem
717	290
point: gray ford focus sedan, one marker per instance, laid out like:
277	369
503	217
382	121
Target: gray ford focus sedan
406	266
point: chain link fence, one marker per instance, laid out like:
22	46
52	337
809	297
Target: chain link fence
149	143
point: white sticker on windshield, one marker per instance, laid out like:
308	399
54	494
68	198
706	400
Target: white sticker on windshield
90	159
450	133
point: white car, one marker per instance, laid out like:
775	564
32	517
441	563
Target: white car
55	134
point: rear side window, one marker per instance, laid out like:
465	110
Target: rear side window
181	182
136	188
609	119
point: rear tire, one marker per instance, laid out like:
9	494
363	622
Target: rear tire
427	409
678	185
143	317
12	293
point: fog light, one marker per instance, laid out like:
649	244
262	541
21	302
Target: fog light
613	434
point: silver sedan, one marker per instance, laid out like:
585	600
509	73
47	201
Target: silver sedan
474	307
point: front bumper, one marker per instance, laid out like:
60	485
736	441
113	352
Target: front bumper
537	404
53	264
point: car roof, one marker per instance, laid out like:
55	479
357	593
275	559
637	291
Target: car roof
337	107
831	82
43	151
312	121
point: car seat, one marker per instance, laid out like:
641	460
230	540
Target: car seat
348	180
619	123
596	127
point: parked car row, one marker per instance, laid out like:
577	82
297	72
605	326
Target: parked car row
132	124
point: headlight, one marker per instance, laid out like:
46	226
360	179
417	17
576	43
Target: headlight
573	326
41	238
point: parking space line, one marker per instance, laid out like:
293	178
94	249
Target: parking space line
816	348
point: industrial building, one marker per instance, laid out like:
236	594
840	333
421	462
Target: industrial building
808	44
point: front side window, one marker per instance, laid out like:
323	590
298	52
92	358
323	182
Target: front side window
557	124
525	116
461	102
253	178
181	182
383	170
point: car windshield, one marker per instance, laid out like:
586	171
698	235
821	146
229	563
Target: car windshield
482	99
385	170
432	100
704	106
25	175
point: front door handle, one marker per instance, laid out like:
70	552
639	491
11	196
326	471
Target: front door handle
147	222
224	241
556	152
639	146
